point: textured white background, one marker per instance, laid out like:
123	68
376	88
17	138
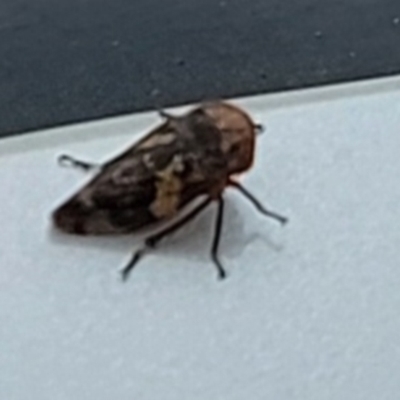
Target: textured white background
309	311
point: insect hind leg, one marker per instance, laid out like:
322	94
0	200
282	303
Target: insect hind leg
66	160
152	241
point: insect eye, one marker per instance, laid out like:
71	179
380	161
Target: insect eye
234	149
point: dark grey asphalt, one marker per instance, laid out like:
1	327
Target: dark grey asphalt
72	60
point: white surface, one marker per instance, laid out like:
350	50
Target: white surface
310	311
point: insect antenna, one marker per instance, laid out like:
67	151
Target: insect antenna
153	240
283	220
259	128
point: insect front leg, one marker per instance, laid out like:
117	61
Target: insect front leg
153	240
283	220
217	236
67	161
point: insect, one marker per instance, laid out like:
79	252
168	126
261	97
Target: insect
185	157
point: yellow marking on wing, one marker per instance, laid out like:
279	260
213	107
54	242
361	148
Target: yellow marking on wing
169	188
157	139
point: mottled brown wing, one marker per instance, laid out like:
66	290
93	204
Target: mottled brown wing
150	181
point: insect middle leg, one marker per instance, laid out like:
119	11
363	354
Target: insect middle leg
153	240
68	161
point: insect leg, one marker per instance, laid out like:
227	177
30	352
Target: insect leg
67	161
163	114
153	240
258	204
217	236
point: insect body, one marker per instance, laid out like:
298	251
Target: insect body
183	158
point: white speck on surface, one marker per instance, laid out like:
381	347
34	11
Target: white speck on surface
115	43
318	34
396	21
308	311
155	92
352	54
